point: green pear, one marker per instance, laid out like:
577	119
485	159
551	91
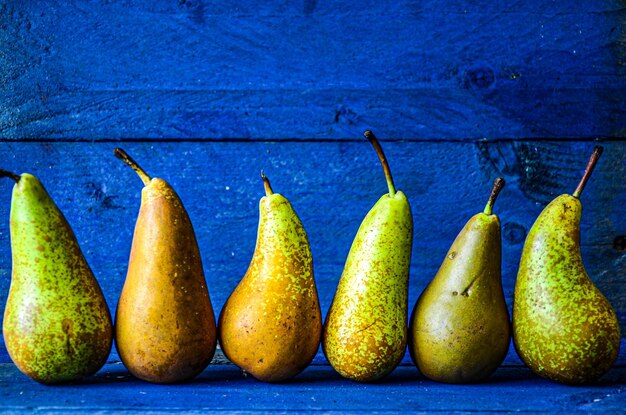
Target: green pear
366	327
563	327
57	326
460	330
271	324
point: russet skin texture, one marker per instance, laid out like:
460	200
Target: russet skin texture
271	324
57	326
564	328
460	330
366	327
165	327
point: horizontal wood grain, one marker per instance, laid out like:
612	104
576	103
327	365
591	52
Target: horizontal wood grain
427	70
331	185
224	388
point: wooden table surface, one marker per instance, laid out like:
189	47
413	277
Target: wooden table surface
224	388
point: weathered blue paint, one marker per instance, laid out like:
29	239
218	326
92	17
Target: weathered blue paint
432	70
331	186
223	388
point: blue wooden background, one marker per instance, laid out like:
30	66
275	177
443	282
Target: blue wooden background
206	94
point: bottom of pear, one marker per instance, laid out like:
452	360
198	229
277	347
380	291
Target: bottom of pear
173	377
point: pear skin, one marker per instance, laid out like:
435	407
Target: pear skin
460	329
57	326
164	327
271	324
564	329
366	327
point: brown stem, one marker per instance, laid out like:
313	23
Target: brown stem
498	184
122	155
4	173
266	183
597	152
383	160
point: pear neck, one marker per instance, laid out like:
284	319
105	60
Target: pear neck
10	175
498	184
266	184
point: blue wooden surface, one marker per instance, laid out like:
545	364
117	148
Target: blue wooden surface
224	388
76	70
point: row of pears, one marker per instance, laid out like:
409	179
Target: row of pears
57	326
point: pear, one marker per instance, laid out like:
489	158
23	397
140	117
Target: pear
271	324
460	330
563	327
57	326
164	327
366	327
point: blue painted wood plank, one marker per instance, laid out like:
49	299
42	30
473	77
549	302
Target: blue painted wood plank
426	71
332	185
224	388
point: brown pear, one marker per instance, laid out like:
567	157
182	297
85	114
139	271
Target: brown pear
164	328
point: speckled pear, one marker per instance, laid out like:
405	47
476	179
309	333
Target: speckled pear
366	327
271	324
563	327
164	327
460	329
57	326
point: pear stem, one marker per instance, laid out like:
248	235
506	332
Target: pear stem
498	184
122	155
597	152
266	183
4	173
383	160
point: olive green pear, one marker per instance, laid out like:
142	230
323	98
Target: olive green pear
164	325
460	330
271	324
366	327
563	327
57	326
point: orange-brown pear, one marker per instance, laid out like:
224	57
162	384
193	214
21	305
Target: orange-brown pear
271	324
164	328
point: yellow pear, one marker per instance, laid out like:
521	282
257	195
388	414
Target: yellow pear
271	324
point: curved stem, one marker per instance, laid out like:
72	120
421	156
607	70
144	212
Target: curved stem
498	184
266	183
122	155
4	173
597	152
381	155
